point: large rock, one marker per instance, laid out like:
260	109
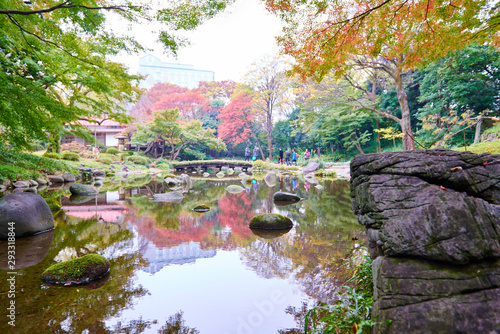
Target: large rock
310	168
172	197
234	189
271	179
28	211
281	196
69	177
434	204
81	270
82	189
270	221
421	296
55	178
433	215
22	184
41	181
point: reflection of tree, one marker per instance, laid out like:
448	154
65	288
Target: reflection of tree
174	325
58	309
325	233
235	213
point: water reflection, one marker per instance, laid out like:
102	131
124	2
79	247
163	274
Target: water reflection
208	271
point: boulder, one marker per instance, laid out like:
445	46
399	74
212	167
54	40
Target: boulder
186	181
172	181
421	296
29	213
201	208
81	270
220	174
69	177
435	204
97	184
41	181
230	171
33	183
281	196
234	189
271	179
100	173
22	184
55	178
270	221
171	197
310	168
82	189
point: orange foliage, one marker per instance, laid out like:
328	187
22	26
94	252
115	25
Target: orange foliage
236	118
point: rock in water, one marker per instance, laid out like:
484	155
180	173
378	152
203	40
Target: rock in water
172	197
69	177
55	178
220	174
270	179
201	208
206	174
28	212
270	221
281	196
81	270
22	184
82	189
310	168
234	189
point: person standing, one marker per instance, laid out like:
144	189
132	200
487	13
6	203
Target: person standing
287	157
294	157
255	153
247	154
318	152
307	155
95	152
281	157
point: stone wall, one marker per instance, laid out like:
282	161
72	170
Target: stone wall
433	223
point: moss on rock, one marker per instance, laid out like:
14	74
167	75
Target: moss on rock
270	221
81	270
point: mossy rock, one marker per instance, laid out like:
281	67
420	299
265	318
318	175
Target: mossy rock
201	208
270	221
82	189
81	270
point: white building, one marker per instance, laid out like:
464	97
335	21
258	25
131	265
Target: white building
179	74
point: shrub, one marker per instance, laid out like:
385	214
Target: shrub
259	165
109	156
52	155
130	152
136	159
71	156
112	150
73	147
124	155
105	160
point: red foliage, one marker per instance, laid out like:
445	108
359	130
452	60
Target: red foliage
235	120
190	104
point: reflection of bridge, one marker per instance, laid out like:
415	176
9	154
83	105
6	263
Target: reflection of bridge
205	164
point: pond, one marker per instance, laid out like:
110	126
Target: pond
174	270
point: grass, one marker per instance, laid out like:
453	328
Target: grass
492	147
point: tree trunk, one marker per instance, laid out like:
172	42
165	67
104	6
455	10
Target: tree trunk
408	141
379	149
477	134
54	143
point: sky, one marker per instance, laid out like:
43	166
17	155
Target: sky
226	44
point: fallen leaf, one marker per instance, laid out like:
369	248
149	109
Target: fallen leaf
442	188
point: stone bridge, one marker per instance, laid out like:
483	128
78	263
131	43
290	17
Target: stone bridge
214	164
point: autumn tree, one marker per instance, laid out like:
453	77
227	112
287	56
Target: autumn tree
392	36
272	92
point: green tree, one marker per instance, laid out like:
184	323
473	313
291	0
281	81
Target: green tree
54	66
458	92
167	132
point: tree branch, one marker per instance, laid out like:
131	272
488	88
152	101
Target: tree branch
63	5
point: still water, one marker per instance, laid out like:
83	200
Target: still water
174	270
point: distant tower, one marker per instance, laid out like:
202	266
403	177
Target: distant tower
182	75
